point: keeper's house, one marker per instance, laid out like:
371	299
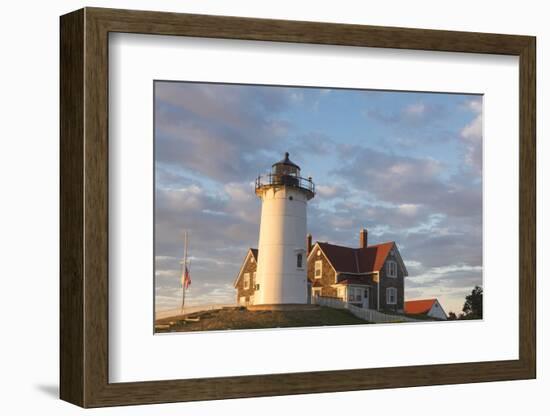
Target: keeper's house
370	276
367	276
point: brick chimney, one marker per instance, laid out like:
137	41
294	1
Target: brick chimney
363	238
309	244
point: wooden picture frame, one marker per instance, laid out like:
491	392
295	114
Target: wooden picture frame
84	207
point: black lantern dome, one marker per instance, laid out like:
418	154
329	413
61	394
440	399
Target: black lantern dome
285	173
285	167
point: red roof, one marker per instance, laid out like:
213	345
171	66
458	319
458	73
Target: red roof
357	260
416	307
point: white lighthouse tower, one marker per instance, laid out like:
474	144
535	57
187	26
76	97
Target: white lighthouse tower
281	276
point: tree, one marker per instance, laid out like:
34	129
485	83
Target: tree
452	316
473	306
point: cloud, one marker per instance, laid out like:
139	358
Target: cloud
419	113
472	134
221	131
331	191
415	110
409	181
311	143
409	210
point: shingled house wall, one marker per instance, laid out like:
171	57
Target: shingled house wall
249	267
397	282
327	275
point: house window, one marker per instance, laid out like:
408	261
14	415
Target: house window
317	291
318	269
246	281
299	260
355	294
391	268
391	295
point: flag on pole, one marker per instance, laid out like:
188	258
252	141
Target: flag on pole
186	277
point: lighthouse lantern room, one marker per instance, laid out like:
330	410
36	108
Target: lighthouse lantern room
281	276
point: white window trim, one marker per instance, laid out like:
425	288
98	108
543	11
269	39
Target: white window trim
360	291
318	266
352	291
246	284
388	291
389	265
301	267
301	251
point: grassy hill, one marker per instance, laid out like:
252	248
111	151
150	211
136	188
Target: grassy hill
242	318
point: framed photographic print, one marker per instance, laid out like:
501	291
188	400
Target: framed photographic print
245	201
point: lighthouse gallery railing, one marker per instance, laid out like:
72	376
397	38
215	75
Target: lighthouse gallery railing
288	180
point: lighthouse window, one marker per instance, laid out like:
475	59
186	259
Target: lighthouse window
299	260
291	198
318	269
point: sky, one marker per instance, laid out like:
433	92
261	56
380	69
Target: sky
404	165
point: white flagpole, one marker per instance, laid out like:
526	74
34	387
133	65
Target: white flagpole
184	266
